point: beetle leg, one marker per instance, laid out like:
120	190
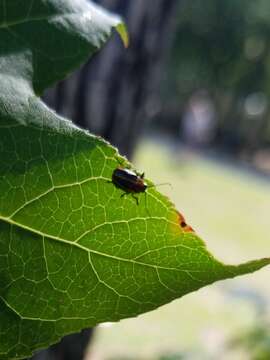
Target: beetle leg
146	208
136	199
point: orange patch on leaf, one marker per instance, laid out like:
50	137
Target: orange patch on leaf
182	222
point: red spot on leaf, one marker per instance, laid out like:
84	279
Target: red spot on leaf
182	222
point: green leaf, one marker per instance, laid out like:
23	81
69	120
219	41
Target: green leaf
73	252
122	31
43	40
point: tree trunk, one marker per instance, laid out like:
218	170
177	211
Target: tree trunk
114	95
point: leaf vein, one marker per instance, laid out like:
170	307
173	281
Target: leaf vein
61	240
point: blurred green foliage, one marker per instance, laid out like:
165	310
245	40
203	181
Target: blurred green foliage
256	341
222	46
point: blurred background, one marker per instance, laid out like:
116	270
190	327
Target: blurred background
188	103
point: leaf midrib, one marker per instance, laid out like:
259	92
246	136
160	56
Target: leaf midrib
81	247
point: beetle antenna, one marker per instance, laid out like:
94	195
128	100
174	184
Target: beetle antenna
161	184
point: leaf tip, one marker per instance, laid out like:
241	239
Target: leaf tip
250	266
122	31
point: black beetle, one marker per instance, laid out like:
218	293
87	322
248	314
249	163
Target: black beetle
129	181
